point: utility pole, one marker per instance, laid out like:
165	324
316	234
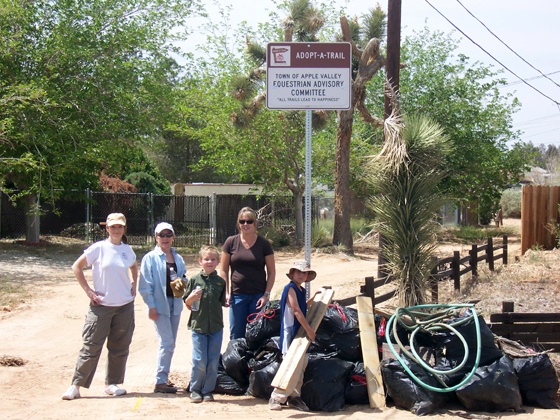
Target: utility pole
392	68
393	63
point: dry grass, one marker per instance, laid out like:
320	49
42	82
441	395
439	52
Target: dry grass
532	283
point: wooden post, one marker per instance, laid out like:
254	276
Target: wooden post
507	307
370	351
474	260
490	254
369	289
393	61
505	253
456	271
434	282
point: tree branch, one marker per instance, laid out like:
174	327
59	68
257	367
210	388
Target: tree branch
346	36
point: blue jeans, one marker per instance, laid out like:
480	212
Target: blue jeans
205	359
240	307
166	329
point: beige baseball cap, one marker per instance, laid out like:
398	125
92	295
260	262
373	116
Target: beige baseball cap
116	219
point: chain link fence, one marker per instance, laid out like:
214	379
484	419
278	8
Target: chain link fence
197	220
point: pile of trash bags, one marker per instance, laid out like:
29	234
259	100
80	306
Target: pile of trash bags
335	374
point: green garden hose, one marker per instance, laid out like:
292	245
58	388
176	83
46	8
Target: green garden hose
431	322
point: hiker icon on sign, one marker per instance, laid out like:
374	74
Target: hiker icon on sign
280	56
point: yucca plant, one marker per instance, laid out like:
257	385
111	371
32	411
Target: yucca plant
405	176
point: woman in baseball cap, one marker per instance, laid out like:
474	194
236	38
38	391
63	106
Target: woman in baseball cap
162	284
111	310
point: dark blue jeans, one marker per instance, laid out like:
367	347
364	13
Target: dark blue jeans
240	307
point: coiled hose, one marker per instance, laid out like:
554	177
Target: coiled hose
432	322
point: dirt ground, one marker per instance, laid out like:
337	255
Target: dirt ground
44	331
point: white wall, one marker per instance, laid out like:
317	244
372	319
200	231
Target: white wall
206	189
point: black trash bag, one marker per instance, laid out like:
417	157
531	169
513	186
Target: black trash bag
235	360
266	354
537	380
450	379
346	345
448	343
260	380
324	383
225	384
389	336
492	388
263	368
406	393
340	319
263	325
356	391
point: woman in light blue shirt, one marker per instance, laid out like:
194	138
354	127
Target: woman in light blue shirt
163	307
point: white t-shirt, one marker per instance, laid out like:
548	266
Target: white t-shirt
289	319
110	271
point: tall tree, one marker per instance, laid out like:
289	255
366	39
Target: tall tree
81	83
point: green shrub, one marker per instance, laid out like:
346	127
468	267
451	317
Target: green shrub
277	237
511	203
472	234
361	226
322	233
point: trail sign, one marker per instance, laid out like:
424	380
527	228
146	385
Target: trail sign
309	75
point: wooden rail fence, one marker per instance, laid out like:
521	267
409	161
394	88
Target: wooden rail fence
540	331
450	268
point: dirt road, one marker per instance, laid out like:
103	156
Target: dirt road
46	333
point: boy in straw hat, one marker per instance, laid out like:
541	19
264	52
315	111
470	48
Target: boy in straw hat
293	306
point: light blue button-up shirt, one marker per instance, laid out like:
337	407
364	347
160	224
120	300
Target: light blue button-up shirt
153	281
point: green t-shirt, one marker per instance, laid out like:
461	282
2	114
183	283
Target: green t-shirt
208	319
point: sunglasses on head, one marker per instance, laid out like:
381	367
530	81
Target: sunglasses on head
248	222
165	235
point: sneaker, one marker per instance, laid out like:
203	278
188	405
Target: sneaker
114	390
71	393
274	404
165	388
297	403
196	397
208	397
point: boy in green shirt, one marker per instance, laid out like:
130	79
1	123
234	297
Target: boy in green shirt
206	323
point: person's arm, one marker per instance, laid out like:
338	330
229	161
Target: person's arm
78	269
191	293
293	303
194	295
270	279
146	286
309	301
134	284
223	272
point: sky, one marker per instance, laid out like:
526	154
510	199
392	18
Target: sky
518	36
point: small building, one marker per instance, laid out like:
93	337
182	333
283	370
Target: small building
208	188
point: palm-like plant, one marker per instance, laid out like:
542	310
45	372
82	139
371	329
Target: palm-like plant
405	176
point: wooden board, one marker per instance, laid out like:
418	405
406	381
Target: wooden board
301	342
370	351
